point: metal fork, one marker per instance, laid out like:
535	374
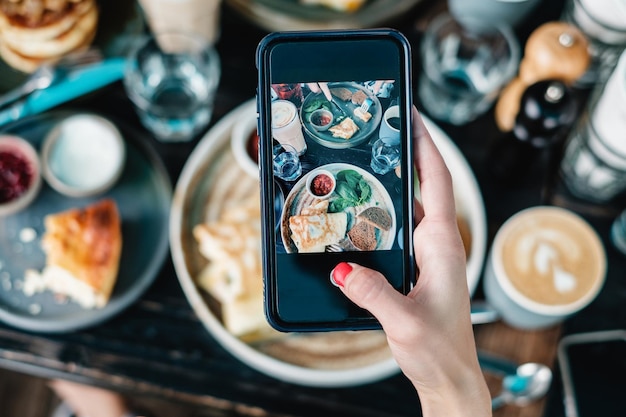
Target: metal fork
365	106
49	72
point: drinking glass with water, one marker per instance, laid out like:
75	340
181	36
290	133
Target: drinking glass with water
171	79
385	156
287	164
465	66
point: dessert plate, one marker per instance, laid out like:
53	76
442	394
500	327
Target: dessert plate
143	195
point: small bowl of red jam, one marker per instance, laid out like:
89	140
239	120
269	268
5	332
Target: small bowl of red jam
321	119
20	174
320	183
245	142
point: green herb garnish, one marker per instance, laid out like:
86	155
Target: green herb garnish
352	190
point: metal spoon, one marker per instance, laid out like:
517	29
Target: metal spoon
47	73
482	312
530	382
38	80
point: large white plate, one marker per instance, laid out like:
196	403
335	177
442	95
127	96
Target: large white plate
193	202
298	199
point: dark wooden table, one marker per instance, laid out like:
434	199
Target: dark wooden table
159	347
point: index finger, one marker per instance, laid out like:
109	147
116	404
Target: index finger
435	180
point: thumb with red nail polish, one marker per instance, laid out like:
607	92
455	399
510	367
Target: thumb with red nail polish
338	275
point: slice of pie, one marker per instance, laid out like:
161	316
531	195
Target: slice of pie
83	248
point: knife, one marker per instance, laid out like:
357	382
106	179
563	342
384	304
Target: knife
75	84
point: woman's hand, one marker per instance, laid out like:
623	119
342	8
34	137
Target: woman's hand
429	331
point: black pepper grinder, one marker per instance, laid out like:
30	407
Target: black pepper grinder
531	151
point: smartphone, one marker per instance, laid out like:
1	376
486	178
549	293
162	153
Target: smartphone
593	365
335	160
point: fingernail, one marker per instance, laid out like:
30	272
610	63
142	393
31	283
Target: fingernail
338	275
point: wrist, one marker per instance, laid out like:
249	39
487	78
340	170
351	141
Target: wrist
463	393
475	402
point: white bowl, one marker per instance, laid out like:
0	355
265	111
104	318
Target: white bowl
309	182
243	132
316	116
23	149
83	155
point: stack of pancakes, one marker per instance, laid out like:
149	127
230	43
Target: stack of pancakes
36	31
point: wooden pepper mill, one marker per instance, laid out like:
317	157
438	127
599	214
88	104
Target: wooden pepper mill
555	50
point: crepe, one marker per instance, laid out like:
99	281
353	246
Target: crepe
234	276
345	129
83	248
312	233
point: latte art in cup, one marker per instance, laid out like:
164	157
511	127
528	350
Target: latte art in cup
546	263
551	258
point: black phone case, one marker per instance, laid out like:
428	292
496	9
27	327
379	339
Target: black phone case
357	319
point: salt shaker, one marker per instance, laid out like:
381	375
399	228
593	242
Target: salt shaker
594	162
604	24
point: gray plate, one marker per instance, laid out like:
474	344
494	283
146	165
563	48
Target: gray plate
143	195
291	15
366	129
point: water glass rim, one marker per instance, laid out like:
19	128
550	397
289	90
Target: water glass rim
505	31
200	45
446	18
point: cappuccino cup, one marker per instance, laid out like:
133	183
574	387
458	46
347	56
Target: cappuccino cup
390	126
545	264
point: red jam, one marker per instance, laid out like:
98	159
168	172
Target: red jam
253	146
322	119
15	176
321	185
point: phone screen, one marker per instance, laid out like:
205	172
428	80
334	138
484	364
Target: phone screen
593	368
335	148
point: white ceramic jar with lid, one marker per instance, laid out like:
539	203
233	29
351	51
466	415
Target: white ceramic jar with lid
83	155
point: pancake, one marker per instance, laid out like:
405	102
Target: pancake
29	64
83	28
16	25
36	31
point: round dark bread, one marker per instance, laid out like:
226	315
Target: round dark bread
377	217
363	236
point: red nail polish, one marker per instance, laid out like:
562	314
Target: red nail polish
338	275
